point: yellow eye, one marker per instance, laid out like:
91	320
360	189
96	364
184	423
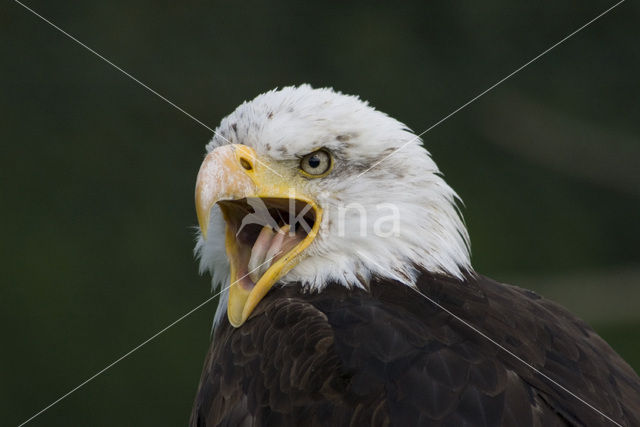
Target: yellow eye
316	164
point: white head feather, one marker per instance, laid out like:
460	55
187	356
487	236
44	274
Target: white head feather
406	184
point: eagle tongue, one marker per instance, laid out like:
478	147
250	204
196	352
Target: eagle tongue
269	247
276	248
257	265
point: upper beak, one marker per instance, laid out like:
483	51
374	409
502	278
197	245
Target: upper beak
229	175
223	176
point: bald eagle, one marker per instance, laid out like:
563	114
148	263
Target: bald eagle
349	294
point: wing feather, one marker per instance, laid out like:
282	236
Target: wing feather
390	357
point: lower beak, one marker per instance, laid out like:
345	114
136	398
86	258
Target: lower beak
256	200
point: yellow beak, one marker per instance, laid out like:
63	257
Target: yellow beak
229	176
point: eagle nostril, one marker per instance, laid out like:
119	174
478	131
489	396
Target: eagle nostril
246	163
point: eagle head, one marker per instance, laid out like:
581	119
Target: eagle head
304	187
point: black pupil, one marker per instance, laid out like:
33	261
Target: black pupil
314	161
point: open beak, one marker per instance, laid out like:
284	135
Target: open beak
269	221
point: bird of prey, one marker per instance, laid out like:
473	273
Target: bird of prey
349	297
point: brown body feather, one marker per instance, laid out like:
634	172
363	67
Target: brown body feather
388	356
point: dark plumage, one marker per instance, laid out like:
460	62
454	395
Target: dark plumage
390	357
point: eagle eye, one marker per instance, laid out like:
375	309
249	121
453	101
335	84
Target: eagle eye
316	164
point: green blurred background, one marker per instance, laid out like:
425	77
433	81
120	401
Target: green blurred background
97	174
